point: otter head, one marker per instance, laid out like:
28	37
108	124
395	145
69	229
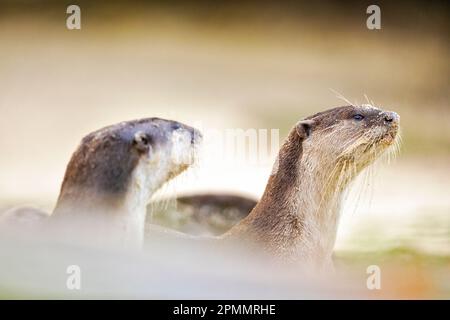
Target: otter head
129	158
344	140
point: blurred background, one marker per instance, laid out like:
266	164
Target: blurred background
244	65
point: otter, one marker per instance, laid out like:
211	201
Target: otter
201	214
112	175
24	216
297	216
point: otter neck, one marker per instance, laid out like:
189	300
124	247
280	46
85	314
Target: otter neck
297	216
108	219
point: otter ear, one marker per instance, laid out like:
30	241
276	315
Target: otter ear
141	142
304	128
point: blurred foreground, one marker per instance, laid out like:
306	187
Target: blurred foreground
173	269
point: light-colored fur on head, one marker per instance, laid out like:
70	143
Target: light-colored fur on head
153	170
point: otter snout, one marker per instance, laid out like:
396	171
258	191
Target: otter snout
391	124
196	136
390	117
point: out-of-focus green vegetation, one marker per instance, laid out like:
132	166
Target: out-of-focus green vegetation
415	261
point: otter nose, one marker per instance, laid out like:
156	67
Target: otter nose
390	117
196	136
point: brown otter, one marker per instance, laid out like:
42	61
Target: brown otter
297	216
113	173
201	214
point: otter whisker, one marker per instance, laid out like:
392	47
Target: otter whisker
367	99
341	96
366	184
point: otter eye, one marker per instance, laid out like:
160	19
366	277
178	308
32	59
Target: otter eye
358	117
